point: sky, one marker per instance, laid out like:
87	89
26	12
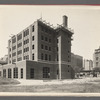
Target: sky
85	20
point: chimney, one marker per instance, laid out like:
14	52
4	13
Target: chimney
65	21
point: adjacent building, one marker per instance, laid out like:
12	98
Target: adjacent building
87	65
96	58
40	52
5	59
76	61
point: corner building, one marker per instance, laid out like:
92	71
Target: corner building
40	52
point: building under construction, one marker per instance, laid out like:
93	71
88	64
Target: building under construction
40	52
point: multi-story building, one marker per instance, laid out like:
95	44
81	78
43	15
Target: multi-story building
40	51
96	58
76	61
88	65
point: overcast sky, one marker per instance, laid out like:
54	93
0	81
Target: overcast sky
85	20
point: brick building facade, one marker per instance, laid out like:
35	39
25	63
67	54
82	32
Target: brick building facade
40	52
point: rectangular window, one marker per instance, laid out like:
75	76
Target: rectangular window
49	57
96	58
19	52
42	46
57	41
13	40
0	73
14	47
49	48
57	48
49	40
46	39
57	58
33	38
19	59
33	56
19	45
46	47
42	38
33	28
15	72
4	73
19	37
96	64
42	56
9	73
46	57
14	54
32	46
14	60
21	72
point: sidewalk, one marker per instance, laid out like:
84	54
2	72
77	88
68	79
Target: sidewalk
51	82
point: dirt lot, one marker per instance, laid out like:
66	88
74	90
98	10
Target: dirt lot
86	85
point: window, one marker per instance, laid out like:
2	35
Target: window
49	40
42	46
0	73
46	47
57	58
57	48
68	65
19	37
26	32
96	64
96	58
13	40
49	57
42	56
15	72
21	72
14	47
46	39
27	41
9	73
14	54
19	59
10	55
14	60
9	49
33	56
57	71
46	72
32	46
26	49
19	45
46	57
4	73
27	57
32	73
33	28
49	48
19	52
42	38
33	38
57	41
